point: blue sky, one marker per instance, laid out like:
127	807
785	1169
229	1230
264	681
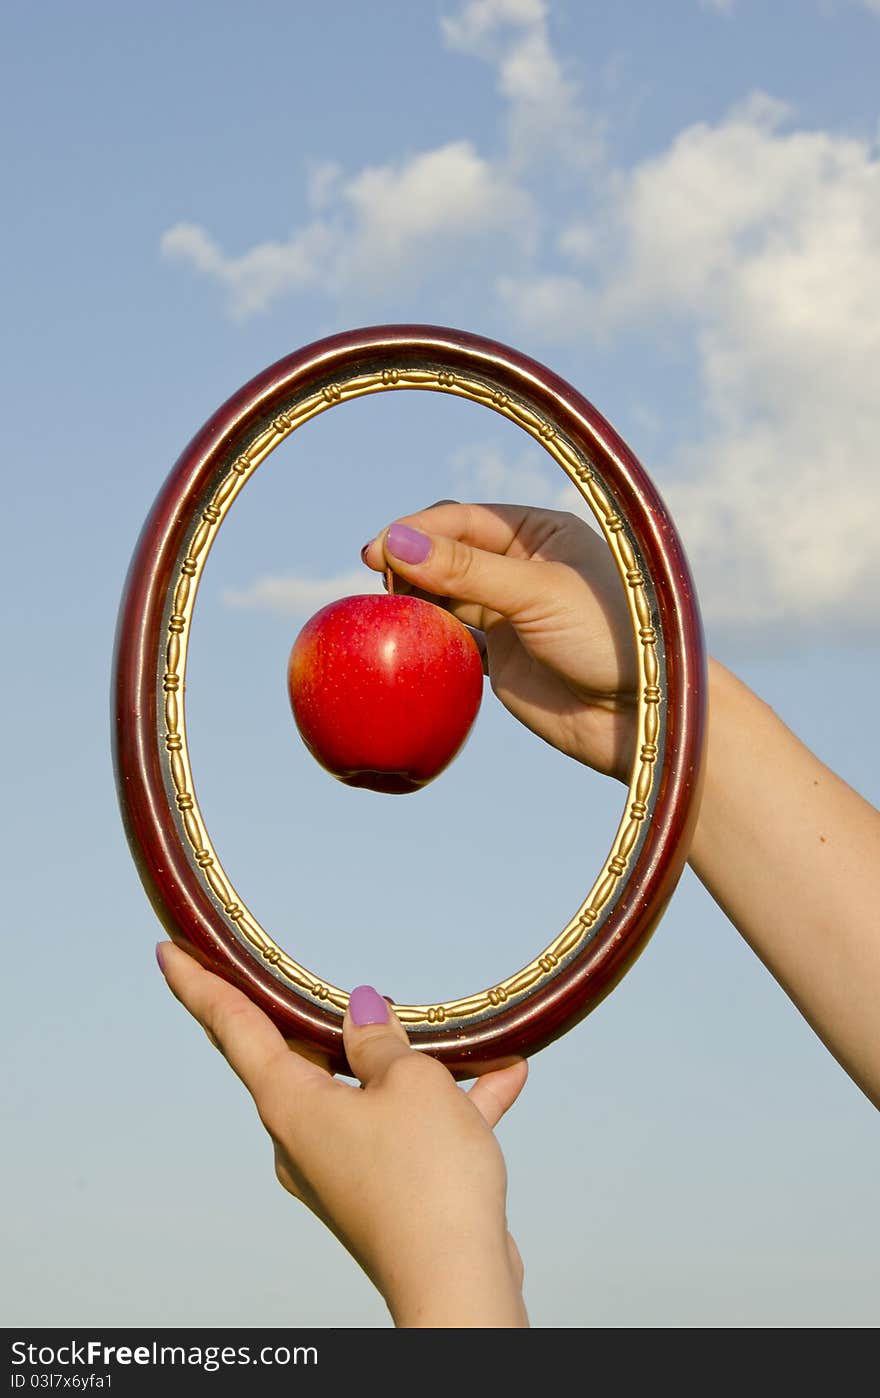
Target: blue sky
675	207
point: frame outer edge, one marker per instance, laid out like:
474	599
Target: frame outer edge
181	904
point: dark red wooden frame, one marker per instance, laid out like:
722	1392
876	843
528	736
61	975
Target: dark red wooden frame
181	901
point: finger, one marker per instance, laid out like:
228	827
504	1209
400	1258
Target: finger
450	568
495	1093
372	1034
511	530
491	527
249	1041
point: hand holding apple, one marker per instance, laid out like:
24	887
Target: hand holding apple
543	588
384	690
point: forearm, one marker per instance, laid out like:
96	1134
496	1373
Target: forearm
792	855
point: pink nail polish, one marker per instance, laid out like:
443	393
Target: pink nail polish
367	1006
160	952
408	544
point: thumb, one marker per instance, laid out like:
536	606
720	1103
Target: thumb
494	1093
452	568
372	1034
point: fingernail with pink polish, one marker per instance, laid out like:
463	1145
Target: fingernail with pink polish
160	953
408	544
365	550
367	1006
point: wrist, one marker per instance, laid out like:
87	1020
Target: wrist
478	1290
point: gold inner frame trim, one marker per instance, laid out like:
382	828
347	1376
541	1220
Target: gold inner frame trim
641	800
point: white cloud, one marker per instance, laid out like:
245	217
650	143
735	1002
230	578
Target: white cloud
386	223
557	303
295	596
439	201
760	246
577	241
478	20
258	277
750	243
544	111
396	224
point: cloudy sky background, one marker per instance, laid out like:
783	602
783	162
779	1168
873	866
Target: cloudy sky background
675	207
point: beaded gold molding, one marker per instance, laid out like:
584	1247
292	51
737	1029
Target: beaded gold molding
642	794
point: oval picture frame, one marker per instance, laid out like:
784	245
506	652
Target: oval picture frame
191	892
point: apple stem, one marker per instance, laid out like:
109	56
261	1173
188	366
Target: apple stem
389	582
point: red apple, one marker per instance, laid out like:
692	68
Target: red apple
384	690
